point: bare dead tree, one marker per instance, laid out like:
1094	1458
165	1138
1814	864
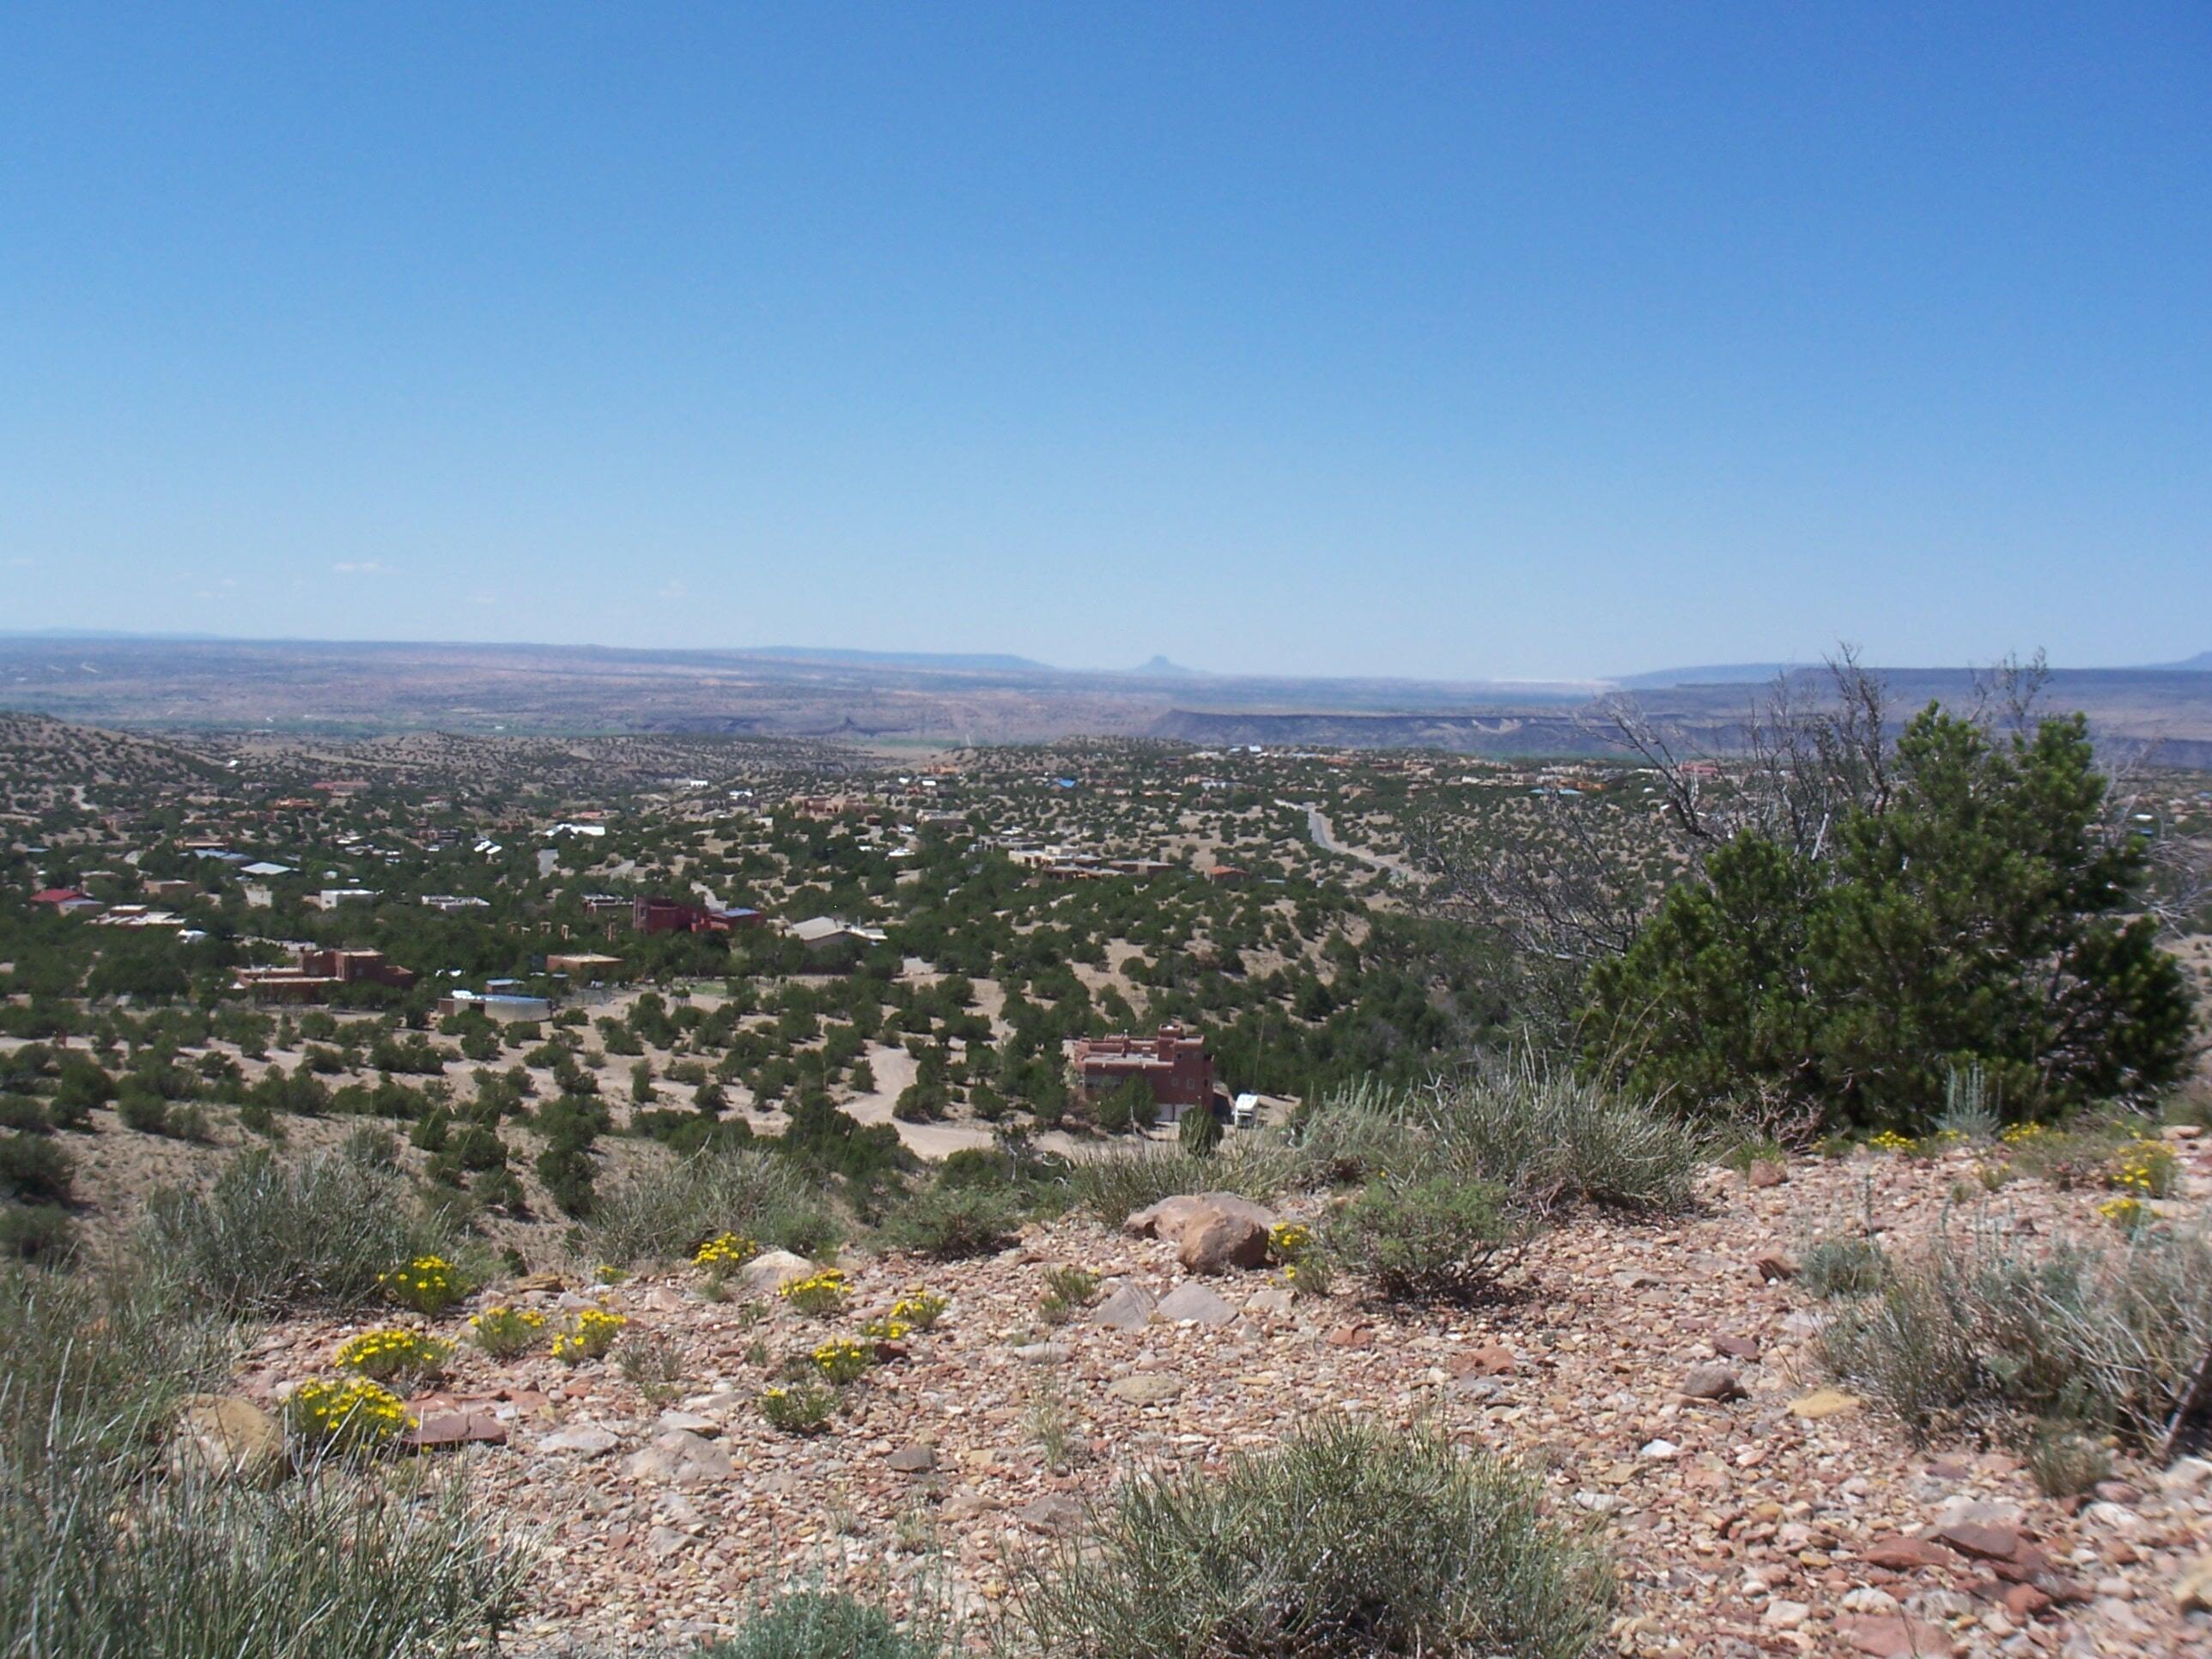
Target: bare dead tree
1796	766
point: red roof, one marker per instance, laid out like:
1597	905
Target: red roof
57	896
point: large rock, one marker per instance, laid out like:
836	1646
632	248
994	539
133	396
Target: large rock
1215	1240
223	1435
1171	1216
770	1271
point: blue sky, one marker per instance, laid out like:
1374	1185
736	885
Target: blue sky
1457	341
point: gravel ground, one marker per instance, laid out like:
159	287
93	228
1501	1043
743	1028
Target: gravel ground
1744	1525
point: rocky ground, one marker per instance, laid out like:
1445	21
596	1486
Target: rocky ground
1660	1376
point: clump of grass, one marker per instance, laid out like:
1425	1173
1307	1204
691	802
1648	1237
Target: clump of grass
2065	1461
1052	1426
652	1364
667	1214
1979	1329
1066	1291
268	1235
1346	1542
507	1333
1543	1134
1842	1266
106	1550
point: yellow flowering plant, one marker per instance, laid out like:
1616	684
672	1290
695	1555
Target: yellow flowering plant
505	1333
2127	1213
920	1309
726	1252
1290	1241
803	1408
430	1284
822	1292
357	1414
2145	1169
588	1335
843	1361
385	1354
1890	1141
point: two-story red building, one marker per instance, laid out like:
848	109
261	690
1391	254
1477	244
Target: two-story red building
1172	1062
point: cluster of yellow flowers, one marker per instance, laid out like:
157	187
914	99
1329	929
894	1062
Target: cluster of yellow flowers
1890	1141
2145	1167
2129	1213
428	1284
820	1292
803	1410
1290	1240
725	1252
607	1274
389	1352
2014	1133
844	1360
887	1329
590	1335
919	1310
357	1413
504	1332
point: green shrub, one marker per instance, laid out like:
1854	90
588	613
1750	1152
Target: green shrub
664	1214
1976	921
2104	1337
1346	1543
820	1624
2065	1461
269	1237
1438	1237
43	1234
949	1223
34	1170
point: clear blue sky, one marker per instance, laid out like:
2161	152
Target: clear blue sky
1459	341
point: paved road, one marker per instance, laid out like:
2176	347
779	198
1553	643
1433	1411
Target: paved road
1324	836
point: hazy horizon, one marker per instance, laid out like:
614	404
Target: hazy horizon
1410	341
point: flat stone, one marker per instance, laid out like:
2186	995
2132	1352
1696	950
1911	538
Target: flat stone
1896	1638
1052	1513
1767	1172
2192	1586
690	1422
225	1435
456	1429
1489	1360
912	1459
1042	1353
586	1440
1196	1302
1823	1403
1128	1308
1145	1388
770	1271
1737	1347
1906	1554
664	1541
682	1458
1982	1543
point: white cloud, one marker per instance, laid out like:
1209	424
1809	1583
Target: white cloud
363	567
671	591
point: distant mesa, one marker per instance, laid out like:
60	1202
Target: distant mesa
944	661
2199	663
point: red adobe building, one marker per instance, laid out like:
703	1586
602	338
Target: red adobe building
666	915
318	972
1173	1062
